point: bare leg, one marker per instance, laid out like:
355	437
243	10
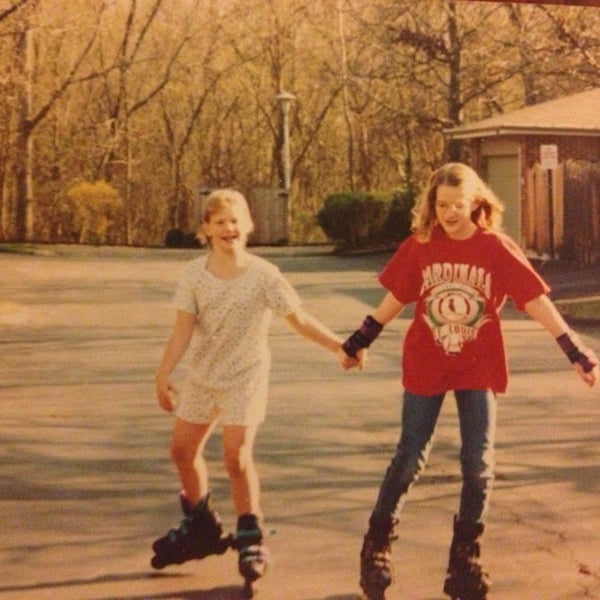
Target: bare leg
187	445
238	446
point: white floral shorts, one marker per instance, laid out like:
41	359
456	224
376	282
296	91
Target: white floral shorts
231	406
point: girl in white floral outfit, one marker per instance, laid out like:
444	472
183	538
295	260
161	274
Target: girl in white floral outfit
224	304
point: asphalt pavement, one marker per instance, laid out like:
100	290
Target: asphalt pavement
87	483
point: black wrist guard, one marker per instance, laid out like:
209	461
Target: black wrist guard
568	344
363	337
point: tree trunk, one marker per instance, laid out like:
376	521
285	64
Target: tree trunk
455	108
23	146
351	140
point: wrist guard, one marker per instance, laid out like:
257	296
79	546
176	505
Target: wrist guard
363	337
569	345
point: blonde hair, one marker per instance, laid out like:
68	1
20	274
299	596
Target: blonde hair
226	198
487	215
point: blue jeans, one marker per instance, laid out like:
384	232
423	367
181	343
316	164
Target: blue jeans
477	419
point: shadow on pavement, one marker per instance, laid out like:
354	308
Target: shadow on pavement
342	597
229	592
358	597
108	578
219	593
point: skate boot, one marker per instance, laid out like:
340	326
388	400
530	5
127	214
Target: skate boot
466	579
199	534
376	572
253	556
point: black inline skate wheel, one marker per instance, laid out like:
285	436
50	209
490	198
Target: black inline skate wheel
249	589
158	563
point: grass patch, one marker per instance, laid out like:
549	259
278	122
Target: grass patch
18	248
586	309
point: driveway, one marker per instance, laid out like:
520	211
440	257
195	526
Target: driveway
87	483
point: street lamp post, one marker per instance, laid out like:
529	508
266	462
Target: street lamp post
285	99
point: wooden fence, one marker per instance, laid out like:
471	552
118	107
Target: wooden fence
561	211
269	208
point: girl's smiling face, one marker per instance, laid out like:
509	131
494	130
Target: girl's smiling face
226	229
453	210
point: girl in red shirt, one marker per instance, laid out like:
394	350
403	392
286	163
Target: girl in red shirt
458	269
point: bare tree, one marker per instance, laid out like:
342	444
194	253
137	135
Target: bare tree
122	102
29	116
182	106
5	13
558	50
163	96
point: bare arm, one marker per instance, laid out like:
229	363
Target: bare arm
313	330
389	308
546	314
175	349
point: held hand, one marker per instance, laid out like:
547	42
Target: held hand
583	359
349	362
353	352
361	356
346	362
164	391
591	376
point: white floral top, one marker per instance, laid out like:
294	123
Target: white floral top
229	348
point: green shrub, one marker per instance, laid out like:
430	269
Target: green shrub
355	219
304	228
359	220
397	226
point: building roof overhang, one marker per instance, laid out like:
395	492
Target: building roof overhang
506	131
574	115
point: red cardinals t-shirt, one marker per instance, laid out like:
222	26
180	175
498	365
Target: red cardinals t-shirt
458	287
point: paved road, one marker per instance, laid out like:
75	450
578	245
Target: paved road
87	483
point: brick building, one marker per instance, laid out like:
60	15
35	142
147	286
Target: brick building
543	161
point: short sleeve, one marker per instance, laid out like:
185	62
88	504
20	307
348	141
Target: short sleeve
401	275
184	298
281	297
518	278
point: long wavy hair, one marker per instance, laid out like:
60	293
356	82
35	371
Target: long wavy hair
487	215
